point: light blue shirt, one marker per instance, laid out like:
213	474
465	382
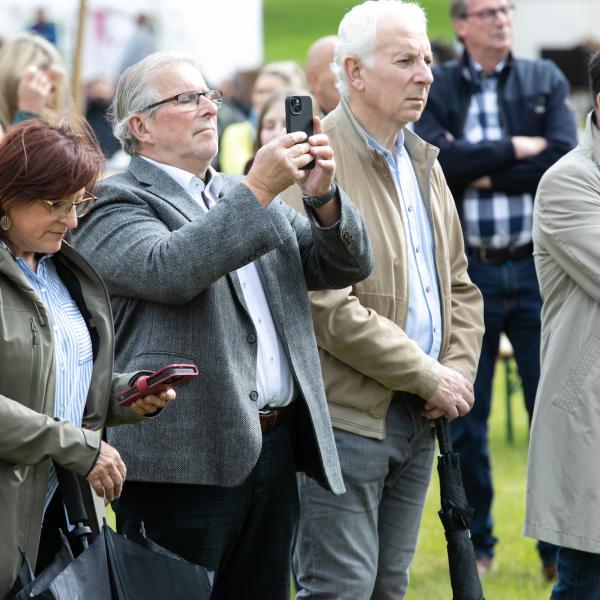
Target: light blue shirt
73	360
424	320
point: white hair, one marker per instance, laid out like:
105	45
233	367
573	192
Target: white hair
135	91
358	30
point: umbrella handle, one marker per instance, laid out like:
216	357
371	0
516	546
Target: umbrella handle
442	429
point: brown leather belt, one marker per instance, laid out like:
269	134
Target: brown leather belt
497	256
269	419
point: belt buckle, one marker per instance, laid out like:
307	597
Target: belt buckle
482	254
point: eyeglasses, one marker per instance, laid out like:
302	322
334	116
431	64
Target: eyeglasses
189	100
62	208
490	14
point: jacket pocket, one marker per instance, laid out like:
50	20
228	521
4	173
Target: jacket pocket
584	368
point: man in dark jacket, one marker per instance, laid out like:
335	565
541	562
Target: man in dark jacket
499	122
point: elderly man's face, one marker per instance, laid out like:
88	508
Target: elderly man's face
184	137
397	83
487	26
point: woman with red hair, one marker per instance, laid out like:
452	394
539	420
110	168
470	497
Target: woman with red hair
57	385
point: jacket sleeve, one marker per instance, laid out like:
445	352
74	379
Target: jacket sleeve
372	344
461	160
567	219
466	303
332	257
561	132
28	437
183	263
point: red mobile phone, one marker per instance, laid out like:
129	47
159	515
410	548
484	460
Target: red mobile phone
157	382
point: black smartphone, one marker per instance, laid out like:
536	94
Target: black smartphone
299	117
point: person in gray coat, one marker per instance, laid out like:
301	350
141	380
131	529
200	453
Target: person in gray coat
214	269
563	477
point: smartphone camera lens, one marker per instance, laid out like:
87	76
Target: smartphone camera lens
296	104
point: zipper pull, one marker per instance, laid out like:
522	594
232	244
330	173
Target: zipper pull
34	331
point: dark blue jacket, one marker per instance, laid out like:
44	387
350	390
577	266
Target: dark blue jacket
533	101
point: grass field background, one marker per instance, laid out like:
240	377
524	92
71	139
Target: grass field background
290	26
517	569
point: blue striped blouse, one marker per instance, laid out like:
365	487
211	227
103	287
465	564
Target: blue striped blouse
73	359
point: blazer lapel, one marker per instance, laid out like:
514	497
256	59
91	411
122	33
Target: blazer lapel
159	183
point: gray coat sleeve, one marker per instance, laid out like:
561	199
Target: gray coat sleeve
145	248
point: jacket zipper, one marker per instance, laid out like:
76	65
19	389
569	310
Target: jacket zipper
34	332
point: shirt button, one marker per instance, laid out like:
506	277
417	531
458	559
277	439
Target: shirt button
417	249
254	395
251	338
410	209
428	289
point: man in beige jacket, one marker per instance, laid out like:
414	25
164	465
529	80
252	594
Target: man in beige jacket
401	347
563	476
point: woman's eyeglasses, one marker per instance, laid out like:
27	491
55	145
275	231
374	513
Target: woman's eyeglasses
62	208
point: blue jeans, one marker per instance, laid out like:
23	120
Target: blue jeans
578	576
512	304
358	546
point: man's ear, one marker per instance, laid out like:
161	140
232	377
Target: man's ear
597	107
137	126
353	69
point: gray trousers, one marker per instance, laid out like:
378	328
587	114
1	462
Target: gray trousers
359	546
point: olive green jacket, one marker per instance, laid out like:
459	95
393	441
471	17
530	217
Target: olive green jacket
29	435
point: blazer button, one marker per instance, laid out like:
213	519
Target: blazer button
251	338
254	395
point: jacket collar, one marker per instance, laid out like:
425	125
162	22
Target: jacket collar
591	137
422	154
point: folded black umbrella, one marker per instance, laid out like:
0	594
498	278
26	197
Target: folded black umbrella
456	515
112	567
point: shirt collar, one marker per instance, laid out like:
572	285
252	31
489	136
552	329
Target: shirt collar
398	145
190	182
473	71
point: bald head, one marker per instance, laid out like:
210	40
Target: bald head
321	79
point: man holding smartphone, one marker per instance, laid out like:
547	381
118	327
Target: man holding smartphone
400	348
214	269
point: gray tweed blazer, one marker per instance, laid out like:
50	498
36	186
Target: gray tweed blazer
168	267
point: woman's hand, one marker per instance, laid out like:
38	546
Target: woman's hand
108	475
35	91
148	405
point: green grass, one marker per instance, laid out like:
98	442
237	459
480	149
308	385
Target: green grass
290	26
516	574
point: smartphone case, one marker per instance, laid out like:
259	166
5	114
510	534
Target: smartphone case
155	383
301	121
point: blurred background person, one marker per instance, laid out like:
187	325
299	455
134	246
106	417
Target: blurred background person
57	384
499	122
237	141
320	77
141	43
563	480
100	92
33	80
42	27
271	123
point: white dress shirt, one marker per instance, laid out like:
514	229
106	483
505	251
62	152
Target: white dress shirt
274	382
